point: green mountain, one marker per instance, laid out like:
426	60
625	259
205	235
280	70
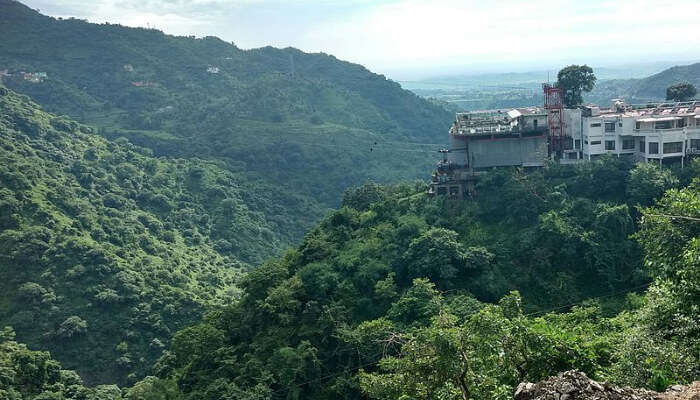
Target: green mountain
106	250
396	295
652	88
111	245
308	124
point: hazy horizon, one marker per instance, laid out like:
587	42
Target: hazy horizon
419	39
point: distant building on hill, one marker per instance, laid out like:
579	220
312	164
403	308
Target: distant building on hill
35	77
482	140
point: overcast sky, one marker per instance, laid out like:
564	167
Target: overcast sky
401	37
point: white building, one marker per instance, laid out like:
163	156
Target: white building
648	132
481	140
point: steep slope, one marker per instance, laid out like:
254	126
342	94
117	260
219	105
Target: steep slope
106	250
372	274
396	295
29	374
652	88
308	123
655	85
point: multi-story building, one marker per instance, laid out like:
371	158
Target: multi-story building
652	132
481	140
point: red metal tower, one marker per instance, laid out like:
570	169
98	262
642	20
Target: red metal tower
554	104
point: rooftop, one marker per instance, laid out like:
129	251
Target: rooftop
492	121
650	111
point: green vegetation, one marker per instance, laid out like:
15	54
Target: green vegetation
396	294
575	80
142	253
652	88
683	91
105	250
308	125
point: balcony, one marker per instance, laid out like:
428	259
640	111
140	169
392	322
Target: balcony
688	129
498	130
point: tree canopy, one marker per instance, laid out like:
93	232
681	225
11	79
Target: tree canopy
575	80
683	91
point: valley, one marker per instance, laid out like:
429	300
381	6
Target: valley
185	219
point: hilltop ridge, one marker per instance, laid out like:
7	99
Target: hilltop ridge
308	124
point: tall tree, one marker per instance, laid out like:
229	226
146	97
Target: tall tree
683	91
575	79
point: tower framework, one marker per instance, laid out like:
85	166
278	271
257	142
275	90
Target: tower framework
554	104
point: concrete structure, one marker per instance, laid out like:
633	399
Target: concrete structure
651	132
481	140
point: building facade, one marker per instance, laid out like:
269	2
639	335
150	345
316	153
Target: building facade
650	133
481	140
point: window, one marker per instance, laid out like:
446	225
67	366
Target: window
637	125
642	147
653	148
681	123
627	143
577	144
534	124
442	190
610	127
673	147
610	144
595	125
454	190
595	142
662	125
695	144
572	156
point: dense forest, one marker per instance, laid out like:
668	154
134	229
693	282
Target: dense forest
108	251
397	295
309	124
181	219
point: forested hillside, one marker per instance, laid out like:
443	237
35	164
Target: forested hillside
181	219
309	124
105	250
397	294
652	88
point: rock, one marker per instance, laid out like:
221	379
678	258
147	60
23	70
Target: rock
575	385
566	388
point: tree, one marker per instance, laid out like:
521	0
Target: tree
437	254
575	79
648	182
683	91
483	356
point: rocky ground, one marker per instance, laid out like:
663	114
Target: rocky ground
575	385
